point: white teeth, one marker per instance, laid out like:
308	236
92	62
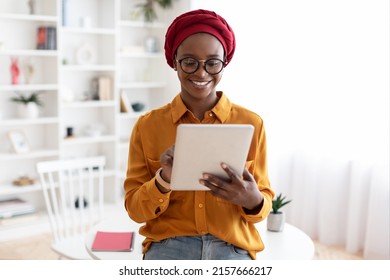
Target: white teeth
200	83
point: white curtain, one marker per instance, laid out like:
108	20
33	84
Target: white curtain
337	202
318	74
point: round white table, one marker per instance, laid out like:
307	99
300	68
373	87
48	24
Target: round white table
116	221
290	244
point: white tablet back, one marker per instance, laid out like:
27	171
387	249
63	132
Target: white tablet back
202	148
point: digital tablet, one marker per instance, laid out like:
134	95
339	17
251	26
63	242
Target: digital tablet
202	148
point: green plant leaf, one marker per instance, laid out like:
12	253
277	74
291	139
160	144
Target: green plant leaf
278	203
148	8
32	98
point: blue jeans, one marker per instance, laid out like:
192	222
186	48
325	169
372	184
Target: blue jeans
201	247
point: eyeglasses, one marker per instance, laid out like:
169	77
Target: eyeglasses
190	65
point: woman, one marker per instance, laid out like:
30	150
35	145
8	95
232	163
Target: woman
215	224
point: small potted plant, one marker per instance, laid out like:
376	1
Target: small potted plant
276	219
148	8
28	106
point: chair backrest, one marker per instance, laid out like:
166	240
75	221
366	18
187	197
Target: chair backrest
73	193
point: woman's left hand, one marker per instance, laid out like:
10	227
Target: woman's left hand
237	189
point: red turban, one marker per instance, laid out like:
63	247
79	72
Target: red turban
199	21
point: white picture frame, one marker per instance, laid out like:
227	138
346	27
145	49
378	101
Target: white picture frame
18	141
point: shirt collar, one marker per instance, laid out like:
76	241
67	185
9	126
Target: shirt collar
178	108
221	110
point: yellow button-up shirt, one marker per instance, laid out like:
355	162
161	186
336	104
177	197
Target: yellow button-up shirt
189	213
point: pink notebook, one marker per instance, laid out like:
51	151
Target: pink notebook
113	241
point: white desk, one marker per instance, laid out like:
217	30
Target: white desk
291	244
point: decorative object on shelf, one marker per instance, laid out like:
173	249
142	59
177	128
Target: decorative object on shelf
85	22
94	130
151	44
85	54
18	141
67	94
28	71
137	106
276	219
23	181
31	6
15	71
47	38
28	106
64	12
148	8
124	103
69	132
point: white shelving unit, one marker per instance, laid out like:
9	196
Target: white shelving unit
95	38
18	31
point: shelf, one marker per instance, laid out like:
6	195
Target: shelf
141	24
49	53
43	120
9	189
30	87
142	85
25	229
30	155
28	17
102	67
89	104
94	31
88	140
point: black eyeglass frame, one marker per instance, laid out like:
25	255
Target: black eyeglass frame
204	61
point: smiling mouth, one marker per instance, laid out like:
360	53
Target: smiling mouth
200	84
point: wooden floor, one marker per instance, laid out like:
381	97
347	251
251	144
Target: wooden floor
38	248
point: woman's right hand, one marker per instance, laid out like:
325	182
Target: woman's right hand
166	160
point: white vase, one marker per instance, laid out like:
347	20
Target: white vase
28	111
275	221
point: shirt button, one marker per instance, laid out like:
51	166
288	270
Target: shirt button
161	200
210	114
200	205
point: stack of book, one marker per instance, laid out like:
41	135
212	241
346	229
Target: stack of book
15	207
47	38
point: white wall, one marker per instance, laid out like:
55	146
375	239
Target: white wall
317	68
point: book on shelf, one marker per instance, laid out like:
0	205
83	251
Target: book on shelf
125	104
15	207
102	87
113	241
47	38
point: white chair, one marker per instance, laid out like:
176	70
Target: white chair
73	193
